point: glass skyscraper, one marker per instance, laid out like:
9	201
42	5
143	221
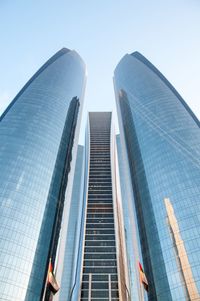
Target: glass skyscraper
161	139
104	268
69	255
130	225
38	140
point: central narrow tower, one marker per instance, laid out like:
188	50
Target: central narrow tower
100	272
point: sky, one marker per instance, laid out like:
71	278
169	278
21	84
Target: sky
102	32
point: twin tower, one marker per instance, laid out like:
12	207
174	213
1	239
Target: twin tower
117	218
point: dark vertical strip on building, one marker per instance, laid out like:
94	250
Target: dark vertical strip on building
100	262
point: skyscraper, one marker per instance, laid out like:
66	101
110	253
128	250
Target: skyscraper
161	141
38	134
130	225
103	272
68	272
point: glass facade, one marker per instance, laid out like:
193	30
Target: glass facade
69	286
37	132
100	270
130	224
162	141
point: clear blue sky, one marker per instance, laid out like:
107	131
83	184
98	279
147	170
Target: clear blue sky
102	31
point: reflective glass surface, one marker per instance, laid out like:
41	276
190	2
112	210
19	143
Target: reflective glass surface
100	271
36	135
69	284
163	145
130	224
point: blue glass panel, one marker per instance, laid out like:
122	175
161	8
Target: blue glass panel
163	145
36	134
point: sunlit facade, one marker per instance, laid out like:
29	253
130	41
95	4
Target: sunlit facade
69	254
136	292
38	134
161	139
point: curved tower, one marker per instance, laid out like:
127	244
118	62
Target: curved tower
38	134
161	140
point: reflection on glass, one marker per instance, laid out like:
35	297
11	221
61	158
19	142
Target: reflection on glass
37	133
182	257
